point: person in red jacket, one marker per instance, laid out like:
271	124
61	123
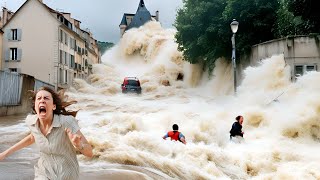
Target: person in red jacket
175	135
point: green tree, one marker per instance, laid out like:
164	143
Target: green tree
104	46
201	31
307	15
204	27
256	21
286	22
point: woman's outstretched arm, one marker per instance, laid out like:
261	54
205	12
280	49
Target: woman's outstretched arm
27	141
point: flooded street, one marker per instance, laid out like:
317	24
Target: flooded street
282	133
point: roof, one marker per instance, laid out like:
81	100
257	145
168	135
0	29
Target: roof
51	10
141	17
131	78
124	20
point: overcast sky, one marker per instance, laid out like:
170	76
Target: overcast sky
103	17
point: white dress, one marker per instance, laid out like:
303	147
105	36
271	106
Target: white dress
58	159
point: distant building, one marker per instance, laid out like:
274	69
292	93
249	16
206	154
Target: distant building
47	44
136	20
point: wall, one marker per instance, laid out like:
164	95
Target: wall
39	41
298	50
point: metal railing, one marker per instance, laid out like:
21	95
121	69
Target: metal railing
10	88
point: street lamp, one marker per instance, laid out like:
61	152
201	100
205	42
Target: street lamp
234	28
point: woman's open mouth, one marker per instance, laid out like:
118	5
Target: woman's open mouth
42	110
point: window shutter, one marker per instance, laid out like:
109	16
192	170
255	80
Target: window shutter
61	36
63	57
9	34
67	59
19	54
7	55
19	33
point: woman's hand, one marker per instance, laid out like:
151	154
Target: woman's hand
80	142
75	139
3	155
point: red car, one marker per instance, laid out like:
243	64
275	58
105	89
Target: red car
131	84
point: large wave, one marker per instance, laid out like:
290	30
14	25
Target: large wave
281	118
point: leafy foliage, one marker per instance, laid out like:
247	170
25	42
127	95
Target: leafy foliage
204	32
200	31
286	23
256	21
104	46
307	15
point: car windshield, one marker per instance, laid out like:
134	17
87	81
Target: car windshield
133	83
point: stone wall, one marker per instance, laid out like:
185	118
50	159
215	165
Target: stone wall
301	51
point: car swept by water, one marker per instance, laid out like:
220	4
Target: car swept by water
131	84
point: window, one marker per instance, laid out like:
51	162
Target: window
61	18
71	65
65	58
61	35
61	57
61	75
311	68
13	69
13	54
66	39
14	34
65	76
71	43
298	71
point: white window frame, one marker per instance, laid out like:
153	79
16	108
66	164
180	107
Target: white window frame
13	54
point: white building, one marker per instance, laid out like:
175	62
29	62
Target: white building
47	44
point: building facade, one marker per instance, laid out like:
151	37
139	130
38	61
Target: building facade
48	45
301	53
138	19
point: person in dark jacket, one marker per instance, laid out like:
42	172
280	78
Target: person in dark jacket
236	129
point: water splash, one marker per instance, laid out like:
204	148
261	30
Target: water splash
281	118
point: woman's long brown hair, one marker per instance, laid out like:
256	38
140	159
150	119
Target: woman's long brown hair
59	99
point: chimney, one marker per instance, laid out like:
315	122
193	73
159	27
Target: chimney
4	16
157	15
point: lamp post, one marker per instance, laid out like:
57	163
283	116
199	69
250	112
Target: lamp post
234	28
